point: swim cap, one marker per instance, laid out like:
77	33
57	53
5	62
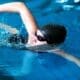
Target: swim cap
53	33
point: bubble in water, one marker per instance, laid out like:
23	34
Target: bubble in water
61	1
76	1
68	7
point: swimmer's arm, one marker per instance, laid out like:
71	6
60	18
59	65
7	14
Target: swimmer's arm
25	14
67	56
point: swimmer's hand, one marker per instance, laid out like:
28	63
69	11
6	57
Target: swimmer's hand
31	39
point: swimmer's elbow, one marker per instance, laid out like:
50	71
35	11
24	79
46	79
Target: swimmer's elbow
19	5
12	7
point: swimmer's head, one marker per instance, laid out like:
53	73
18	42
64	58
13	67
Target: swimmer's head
52	34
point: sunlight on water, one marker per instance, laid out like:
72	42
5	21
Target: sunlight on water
67	5
61	1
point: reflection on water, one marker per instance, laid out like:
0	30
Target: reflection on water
27	63
16	62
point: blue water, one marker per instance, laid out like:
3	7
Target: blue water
27	65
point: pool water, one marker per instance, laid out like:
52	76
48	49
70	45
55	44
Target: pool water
27	65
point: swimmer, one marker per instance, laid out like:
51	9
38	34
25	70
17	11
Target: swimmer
40	39
49	35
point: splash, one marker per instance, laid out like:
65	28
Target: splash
6	32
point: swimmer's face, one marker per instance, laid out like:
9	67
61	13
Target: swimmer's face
40	44
40	36
36	39
40	40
